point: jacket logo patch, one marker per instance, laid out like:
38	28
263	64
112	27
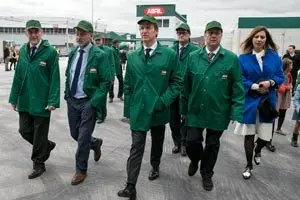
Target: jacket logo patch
163	72
93	70
43	63
225	76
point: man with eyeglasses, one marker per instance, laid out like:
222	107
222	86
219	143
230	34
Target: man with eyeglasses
35	93
183	48
87	82
213	94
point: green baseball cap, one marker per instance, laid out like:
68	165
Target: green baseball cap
85	26
184	26
148	18
33	24
97	36
213	24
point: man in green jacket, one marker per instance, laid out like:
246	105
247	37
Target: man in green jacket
88	79
153	81
118	71
183	48
35	93
102	112
213	94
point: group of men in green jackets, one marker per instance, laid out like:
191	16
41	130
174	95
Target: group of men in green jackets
178	85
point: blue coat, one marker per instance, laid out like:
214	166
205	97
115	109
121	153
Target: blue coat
251	72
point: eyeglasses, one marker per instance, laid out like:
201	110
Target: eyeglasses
181	32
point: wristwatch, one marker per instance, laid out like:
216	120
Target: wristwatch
272	83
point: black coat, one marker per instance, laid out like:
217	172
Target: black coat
6	53
296	64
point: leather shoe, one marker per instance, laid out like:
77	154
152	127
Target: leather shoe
183	151
176	149
154	174
110	100
207	183
129	192
77	178
121	98
36	173
192	169
100	121
97	151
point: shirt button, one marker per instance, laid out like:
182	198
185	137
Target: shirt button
206	77
202	104
204	90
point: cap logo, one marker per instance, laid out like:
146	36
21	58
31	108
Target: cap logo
154	11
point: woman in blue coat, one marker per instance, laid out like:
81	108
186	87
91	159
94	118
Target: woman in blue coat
262	73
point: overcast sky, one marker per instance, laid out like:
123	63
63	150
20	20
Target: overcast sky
120	15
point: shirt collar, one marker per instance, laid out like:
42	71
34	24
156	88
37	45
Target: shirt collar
37	46
85	48
292	55
180	46
153	47
260	54
215	51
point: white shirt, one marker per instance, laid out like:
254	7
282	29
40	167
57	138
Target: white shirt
259	56
214	52
37	46
153	47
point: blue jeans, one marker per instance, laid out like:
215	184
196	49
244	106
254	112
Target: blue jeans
82	119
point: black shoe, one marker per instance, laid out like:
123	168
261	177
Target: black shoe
183	151
121	98
97	151
207	183
110	100
36	173
192	169
176	149
129	192
294	142
271	147
100	121
154	174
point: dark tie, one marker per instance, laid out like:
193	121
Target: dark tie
181	51
210	56
77	73
148	53
32	51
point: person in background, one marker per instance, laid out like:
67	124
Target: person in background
296	117
183	47
296	63
13	58
262	73
6	57
284	97
119	72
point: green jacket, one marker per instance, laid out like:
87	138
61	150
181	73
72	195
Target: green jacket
150	87
117	57
110	53
36	81
184	58
213	92
97	76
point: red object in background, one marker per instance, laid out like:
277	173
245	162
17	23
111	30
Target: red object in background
154	11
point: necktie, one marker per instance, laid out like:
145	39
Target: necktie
32	51
77	72
148	53
181	51
210	56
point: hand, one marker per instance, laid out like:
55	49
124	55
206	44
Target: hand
14	107
50	108
263	90
265	84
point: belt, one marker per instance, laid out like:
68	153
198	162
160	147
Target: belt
80	100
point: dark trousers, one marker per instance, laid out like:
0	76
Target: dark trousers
281	118
121	87
102	111
35	130
82	119
209	154
137	151
175	120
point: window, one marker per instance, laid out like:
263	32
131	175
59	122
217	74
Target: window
159	22
166	23
1	29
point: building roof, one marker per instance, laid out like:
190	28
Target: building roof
269	22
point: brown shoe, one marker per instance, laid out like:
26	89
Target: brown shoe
77	178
